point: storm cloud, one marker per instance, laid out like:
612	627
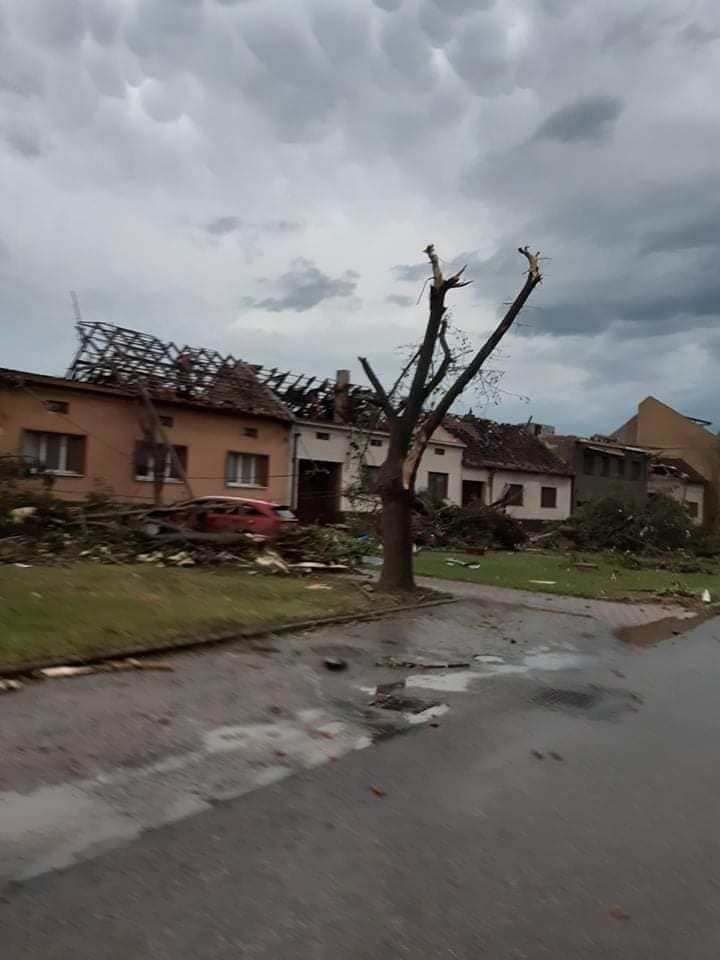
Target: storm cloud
261	177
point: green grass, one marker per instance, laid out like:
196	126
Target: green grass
506	569
86	609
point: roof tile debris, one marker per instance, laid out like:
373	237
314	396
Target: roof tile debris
504	446
673	468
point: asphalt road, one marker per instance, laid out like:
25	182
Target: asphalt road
565	814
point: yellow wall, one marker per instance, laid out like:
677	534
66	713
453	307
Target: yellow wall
111	426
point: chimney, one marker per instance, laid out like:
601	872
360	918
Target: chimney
341	406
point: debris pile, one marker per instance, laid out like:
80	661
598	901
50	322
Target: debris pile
475	527
38	529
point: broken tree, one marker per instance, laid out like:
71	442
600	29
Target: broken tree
437	376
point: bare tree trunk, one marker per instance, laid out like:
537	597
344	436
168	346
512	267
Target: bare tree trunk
397	568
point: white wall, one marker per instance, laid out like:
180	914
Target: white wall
496	481
532	482
338	449
681	491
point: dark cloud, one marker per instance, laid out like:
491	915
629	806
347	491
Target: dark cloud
210	133
703	231
222	226
587	119
698	34
23	140
305	286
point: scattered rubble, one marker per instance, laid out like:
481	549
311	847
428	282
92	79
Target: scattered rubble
39	529
104	666
418	663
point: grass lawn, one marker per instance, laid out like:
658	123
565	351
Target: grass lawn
506	569
85	609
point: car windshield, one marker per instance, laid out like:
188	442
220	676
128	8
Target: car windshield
285	513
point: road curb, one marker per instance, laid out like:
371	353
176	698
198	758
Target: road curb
249	633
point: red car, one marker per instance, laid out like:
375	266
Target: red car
232	515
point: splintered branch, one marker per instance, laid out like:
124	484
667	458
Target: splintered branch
444	364
532	259
438	280
380	393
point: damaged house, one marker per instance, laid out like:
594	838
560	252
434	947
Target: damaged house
147	420
507	462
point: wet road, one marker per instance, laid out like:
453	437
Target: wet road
564	809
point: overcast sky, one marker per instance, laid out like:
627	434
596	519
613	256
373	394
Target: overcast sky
260	176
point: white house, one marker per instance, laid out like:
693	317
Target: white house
335	464
507	461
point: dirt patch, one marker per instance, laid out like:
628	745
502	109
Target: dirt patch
648	634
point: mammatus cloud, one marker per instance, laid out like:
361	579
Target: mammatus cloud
587	119
305	286
181	149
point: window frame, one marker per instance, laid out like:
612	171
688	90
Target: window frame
515	503
41	459
431	478
548	506
259	475
369	476
588	461
170	461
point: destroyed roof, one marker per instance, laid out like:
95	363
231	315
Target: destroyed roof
313	398
676	469
119	358
506	446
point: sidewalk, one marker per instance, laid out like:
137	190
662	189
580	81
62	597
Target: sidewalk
610	612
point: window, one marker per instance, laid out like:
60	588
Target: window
246	470
439	451
375	442
167	421
155	460
636	469
515	496
57	406
692	508
548	497
369	477
438	485
604	465
250	431
588	463
473	491
620	466
55	452
322	436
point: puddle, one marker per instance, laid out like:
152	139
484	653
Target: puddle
557	661
648	634
459	680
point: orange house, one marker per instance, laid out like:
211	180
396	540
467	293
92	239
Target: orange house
101	436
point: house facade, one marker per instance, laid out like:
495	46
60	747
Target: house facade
86	437
677	479
668	433
603	467
509	463
336	468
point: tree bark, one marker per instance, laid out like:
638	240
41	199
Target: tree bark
397	568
